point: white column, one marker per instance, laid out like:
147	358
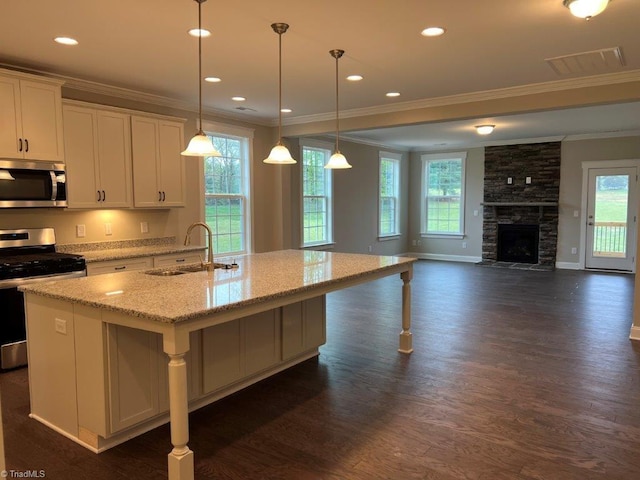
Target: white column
180	460
406	341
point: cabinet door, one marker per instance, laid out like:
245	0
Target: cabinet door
115	266
222	355
133	376
262	341
42	121
303	326
144	149
81	150
176	259
10	118
171	167
114	158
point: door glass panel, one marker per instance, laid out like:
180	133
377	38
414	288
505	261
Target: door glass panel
610	226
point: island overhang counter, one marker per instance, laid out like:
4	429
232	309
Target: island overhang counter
263	288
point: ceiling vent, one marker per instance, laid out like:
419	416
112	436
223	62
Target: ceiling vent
606	60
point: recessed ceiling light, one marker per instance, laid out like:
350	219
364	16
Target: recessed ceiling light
238	99
355	78
212	79
432	32
199	32
286	110
393	94
65	41
484	129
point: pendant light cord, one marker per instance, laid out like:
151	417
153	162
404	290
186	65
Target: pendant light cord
200	132
337	54
280	88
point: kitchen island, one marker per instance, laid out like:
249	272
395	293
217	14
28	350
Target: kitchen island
96	344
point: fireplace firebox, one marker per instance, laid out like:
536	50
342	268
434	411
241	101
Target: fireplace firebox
518	243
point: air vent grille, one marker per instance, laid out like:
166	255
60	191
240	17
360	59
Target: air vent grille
606	60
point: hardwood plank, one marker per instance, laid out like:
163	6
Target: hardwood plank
516	375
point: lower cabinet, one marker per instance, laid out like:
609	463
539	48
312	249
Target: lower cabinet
115	382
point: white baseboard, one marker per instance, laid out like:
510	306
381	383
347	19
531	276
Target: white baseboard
445	258
635	333
568	265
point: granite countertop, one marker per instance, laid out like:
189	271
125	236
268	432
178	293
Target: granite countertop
134	252
258	278
123	249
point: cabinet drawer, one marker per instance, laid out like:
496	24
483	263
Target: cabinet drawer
177	259
115	266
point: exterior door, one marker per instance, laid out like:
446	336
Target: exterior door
611	218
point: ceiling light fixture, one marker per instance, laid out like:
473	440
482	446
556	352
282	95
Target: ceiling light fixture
355	78
286	110
65	41
279	154
212	79
238	99
392	94
200	145
199	32
432	32
586	8
484	129
337	160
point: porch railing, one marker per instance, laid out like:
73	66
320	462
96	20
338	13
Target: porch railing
610	238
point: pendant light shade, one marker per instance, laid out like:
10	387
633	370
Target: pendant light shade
586	8
337	160
279	154
200	145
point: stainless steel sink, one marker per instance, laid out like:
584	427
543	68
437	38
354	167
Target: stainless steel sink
165	273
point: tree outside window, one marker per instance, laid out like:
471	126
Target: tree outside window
443	194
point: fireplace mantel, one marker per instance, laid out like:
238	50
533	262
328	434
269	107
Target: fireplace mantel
540	205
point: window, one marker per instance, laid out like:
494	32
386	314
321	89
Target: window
226	194
389	195
442	209
316	197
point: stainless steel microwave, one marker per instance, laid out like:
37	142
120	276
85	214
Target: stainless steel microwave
32	184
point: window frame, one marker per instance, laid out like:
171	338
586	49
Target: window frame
426	160
396	160
245	137
326	148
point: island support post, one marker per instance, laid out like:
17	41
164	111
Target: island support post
406	340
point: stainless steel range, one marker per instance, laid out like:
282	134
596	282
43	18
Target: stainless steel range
27	256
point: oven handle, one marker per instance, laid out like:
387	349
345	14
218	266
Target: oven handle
18	282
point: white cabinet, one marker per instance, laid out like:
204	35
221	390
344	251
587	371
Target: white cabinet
236	350
98	157
303	326
158	167
177	259
115	266
30	117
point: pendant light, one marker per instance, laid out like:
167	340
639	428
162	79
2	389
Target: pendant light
586	8
200	145
337	160
279	154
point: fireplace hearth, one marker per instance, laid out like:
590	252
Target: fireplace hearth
518	243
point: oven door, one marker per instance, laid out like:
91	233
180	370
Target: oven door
13	335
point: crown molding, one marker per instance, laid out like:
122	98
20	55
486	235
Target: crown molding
98	88
510	92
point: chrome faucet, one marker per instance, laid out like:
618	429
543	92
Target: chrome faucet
187	240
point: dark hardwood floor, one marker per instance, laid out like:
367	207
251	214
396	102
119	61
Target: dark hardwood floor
516	375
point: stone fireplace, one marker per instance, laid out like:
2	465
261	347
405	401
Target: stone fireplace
521	194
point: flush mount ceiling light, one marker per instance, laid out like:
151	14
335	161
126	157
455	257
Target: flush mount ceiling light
65	41
484	129
337	160
586	8
200	145
279	154
432	32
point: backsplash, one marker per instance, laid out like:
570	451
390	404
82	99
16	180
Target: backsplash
117	244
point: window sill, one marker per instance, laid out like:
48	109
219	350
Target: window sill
386	238
318	246
443	235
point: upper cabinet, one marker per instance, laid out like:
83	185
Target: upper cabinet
98	157
158	167
30	117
